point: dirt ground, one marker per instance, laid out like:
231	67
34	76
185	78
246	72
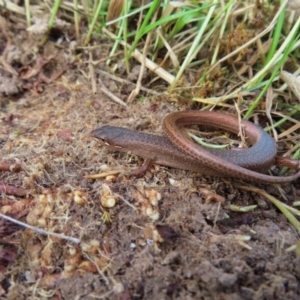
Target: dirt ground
161	239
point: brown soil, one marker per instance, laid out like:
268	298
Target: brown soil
194	250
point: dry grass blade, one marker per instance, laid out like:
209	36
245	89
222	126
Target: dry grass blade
113	97
114	9
124	81
285	209
35	9
292	81
255	57
136	91
257	37
148	63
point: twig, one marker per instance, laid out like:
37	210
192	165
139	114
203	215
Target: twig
92	74
111	95
121	80
12	190
99	271
128	203
41	231
102	175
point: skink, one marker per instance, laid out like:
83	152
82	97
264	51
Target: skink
180	152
